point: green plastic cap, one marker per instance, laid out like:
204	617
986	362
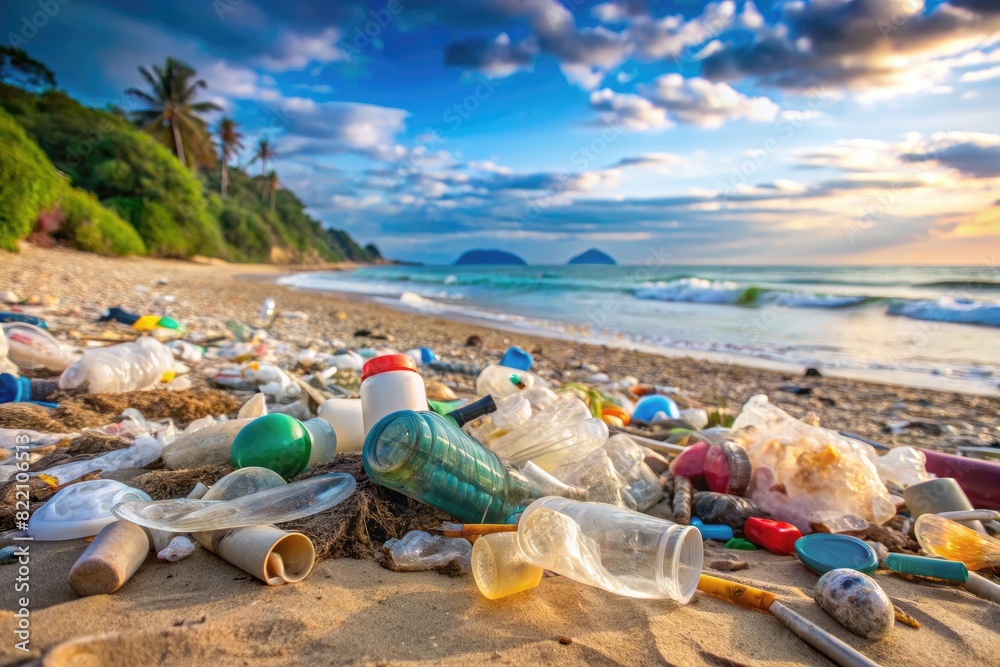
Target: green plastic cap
276	442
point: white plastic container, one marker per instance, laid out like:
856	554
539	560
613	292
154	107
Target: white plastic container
345	416
390	383
616	549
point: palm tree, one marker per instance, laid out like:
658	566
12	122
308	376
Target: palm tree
172	114
230	141
271	186
264	152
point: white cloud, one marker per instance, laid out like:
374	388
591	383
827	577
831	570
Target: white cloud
630	111
293	51
697	101
981	75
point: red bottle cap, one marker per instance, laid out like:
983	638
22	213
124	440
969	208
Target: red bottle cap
387	363
775	536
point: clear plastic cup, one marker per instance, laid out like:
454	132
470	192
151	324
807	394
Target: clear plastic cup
613	548
499	567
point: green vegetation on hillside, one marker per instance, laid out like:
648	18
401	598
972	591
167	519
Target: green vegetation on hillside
143	198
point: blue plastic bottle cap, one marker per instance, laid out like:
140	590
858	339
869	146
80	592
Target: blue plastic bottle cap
712	531
14	389
648	406
517	358
427	355
822	552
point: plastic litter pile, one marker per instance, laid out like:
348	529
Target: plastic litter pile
609	484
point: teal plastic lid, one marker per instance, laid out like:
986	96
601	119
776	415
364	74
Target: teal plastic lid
822	552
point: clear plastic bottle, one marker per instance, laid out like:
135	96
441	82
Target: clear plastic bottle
615	549
429	458
118	368
497	380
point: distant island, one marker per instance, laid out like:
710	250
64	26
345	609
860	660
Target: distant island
592	256
480	256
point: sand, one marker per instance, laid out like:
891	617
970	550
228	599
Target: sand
203	610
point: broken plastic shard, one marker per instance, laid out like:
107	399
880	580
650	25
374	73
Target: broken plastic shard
419	550
953	541
276	505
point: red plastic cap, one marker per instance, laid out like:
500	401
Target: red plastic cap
776	536
388	363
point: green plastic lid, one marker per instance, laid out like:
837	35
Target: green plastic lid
822	552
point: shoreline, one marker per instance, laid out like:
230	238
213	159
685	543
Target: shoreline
891	378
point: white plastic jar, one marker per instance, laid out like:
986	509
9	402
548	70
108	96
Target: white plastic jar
390	383
347	420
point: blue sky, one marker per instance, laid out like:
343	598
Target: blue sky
831	131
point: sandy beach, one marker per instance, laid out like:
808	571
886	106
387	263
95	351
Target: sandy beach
354	612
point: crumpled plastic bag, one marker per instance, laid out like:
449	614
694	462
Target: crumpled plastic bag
798	468
419	550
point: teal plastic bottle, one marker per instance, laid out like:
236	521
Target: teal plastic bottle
430	459
283	444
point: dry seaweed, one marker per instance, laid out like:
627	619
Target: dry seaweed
77	411
359	526
168	484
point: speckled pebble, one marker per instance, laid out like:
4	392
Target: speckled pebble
856	602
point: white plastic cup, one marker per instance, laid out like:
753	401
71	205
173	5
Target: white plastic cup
345	416
388	384
613	548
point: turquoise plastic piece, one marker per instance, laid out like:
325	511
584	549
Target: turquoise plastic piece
822	552
951	570
430	459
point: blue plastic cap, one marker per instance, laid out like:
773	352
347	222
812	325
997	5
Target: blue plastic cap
517	358
712	531
427	355
648	406
14	389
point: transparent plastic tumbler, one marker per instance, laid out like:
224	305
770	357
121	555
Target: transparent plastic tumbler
613	548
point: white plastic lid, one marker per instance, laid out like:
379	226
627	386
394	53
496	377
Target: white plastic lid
81	510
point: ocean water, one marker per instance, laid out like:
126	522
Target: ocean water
932	326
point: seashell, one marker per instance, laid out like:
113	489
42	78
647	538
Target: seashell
856	602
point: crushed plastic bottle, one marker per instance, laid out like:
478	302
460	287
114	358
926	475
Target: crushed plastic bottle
419	551
598	476
562	434
119	368
544	484
34	348
642	484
